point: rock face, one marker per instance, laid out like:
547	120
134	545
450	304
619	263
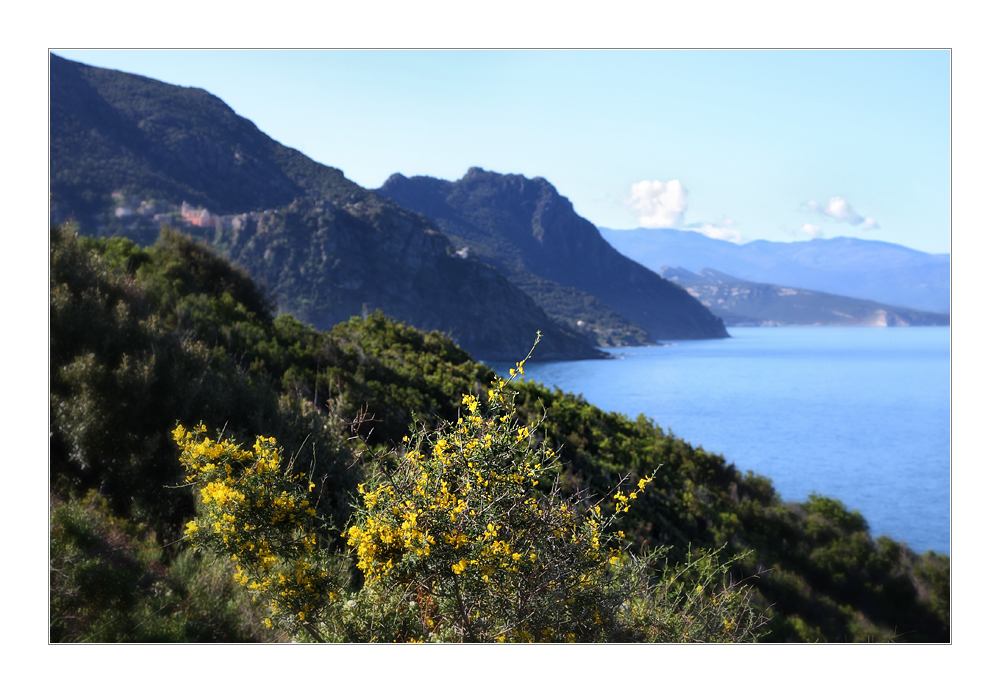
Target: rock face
324	263
527	230
324	247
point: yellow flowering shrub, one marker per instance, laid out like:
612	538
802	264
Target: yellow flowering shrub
257	514
453	540
456	528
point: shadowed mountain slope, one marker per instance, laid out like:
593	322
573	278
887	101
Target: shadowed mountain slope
325	263
112	130
528	231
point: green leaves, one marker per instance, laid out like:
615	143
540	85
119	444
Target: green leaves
143	338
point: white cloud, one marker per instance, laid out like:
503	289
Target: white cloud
662	205
722	231
839	209
659	204
807	230
811	230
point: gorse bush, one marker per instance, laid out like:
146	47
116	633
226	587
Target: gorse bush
481	554
257	515
453	541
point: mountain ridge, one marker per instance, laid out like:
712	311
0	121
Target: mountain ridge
878	271
527	230
743	303
160	139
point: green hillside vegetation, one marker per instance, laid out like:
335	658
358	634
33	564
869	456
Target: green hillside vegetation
115	131
739	302
144	338
579	311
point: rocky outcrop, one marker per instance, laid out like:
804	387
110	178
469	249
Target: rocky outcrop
522	225
325	262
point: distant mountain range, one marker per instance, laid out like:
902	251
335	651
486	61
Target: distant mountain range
531	233
743	303
873	270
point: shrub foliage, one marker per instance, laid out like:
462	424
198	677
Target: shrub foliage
454	542
145	338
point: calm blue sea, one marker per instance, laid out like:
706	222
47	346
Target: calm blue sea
860	414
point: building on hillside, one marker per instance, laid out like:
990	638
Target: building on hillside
196	217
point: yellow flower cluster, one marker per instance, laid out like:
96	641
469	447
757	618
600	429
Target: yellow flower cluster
258	515
518	368
460	520
435	499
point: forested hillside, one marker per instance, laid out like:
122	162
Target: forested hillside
144	339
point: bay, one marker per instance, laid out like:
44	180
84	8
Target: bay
855	413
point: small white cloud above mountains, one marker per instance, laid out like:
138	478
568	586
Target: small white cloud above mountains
838	209
659	204
811	230
723	231
662	205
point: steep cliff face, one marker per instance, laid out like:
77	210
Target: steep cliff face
325	247
522	225
325	262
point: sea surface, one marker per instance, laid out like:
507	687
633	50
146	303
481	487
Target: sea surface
856	413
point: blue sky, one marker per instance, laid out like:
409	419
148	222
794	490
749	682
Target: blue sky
741	145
